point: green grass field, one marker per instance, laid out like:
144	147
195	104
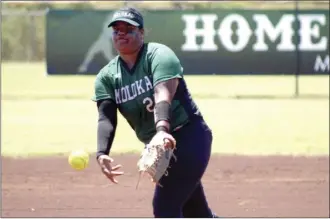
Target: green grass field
46	115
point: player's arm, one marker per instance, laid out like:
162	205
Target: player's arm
164	93
107	123
107	114
106	127
167	71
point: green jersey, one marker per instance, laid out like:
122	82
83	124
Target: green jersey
132	90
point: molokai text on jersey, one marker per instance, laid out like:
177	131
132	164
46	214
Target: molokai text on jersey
130	92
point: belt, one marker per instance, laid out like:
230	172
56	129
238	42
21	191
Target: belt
180	126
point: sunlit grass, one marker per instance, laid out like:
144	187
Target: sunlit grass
47	115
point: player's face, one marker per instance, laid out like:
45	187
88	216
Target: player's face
127	39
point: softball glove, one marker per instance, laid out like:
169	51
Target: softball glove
154	161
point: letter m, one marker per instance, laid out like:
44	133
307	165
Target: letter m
283	29
320	64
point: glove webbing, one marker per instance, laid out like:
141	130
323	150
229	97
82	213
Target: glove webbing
152	169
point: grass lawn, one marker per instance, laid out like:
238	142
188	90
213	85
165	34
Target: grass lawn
46	115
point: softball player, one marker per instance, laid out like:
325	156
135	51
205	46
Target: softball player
145	84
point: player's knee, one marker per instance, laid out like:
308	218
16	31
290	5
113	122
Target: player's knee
163	209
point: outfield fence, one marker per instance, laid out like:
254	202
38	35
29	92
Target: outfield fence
24	38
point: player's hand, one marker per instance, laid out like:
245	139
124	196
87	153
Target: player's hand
163	137
109	171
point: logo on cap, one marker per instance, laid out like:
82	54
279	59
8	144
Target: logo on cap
123	14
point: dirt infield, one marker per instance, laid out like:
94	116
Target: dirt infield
236	186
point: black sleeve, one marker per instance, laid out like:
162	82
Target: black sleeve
106	128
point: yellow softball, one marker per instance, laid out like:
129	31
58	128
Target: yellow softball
79	159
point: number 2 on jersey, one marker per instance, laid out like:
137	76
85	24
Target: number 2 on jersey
149	104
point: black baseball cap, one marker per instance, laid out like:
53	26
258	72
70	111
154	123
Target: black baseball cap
129	15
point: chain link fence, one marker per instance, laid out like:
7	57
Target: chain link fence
23	35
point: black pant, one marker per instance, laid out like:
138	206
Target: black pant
182	194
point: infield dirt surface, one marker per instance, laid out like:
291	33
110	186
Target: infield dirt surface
236	186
